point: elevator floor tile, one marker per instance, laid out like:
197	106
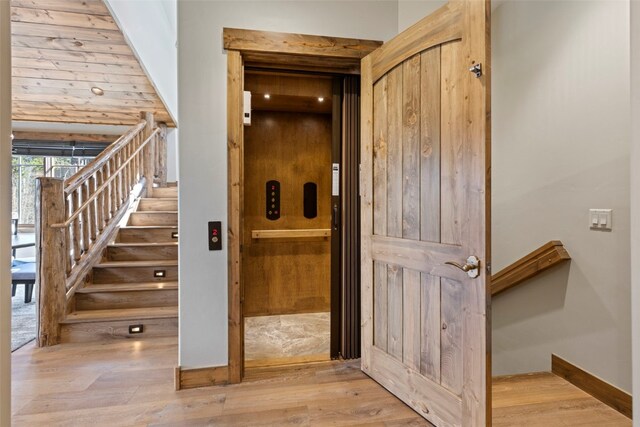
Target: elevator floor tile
305	337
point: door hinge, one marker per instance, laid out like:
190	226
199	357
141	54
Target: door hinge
477	70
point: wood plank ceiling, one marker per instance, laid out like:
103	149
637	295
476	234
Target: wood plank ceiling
61	49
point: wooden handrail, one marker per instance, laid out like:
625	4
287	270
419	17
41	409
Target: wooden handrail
290	234
105	184
534	263
77	218
99	161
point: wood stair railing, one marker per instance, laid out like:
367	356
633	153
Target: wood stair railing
78	217
541	259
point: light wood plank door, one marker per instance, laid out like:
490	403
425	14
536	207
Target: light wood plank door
425	207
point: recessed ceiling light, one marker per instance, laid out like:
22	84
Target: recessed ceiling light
320	99
97	91
267	96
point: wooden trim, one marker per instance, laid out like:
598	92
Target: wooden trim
366	212
608	394
267	50
530	265
299	52
290	234
281	361
200	377
235	146
296	44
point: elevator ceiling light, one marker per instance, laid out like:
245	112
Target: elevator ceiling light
267	96
320	99
97	91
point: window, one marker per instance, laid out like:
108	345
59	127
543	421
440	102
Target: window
26	169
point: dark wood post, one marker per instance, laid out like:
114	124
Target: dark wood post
50	259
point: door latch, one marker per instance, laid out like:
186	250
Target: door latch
477	70
472	267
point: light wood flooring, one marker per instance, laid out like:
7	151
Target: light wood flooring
130	383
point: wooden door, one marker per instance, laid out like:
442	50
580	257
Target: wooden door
425	202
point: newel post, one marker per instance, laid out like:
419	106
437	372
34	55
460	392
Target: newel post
148	152
51	255
161	154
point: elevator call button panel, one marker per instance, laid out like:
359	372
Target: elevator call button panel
215	235
273	200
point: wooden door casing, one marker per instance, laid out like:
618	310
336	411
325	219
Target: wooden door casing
425	201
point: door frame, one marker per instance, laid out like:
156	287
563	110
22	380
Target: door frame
289	51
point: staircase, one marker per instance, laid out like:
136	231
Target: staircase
136	282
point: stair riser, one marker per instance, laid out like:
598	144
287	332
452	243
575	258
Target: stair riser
127	299
165	192
157	205
152	218
142	253
100	331
132	274
151	235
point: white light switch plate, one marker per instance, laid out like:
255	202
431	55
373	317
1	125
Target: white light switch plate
600	219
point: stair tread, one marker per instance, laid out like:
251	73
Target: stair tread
121	314
141	244
122	287
150	263
154	212
143	227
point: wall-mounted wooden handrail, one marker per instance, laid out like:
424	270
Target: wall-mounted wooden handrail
290	234
544	257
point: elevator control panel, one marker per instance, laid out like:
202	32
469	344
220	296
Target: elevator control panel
310	200
273	200
215	235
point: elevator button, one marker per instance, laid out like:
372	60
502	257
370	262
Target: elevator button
272	205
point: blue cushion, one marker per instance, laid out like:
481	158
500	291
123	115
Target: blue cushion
23	271
18	261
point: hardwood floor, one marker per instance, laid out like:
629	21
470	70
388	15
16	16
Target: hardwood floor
130	383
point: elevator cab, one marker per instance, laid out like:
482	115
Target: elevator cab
288	217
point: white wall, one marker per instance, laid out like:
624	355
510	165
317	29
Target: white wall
411	11
635	202
561	146
203	148
150	27
5	214
172	155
